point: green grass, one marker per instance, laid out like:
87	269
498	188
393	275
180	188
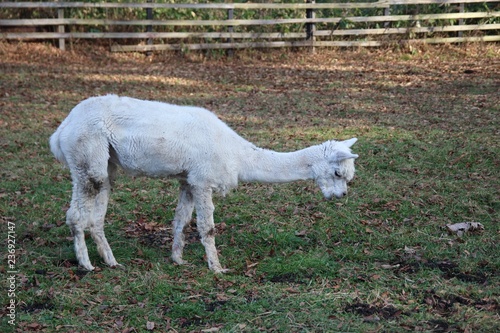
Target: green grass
378	260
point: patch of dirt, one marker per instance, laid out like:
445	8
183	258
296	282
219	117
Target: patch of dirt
366	310
475	277
188	322
156	239
37	306
444	266
67	263
213	306
78	273
438	325
444	304
447	303
151	233
448	268
290	278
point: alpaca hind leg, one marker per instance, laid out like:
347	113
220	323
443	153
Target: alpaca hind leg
183	215
77	218
89	180
206	227
97	228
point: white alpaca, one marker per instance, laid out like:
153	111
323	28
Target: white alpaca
162	140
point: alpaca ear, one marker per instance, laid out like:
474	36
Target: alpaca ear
345	155
342	155
350	142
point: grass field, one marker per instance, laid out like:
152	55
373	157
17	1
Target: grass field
377	261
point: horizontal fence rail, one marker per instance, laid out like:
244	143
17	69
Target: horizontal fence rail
309	5
315	24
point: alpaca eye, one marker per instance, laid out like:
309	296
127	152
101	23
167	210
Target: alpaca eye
337	174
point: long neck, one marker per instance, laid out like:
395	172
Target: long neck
261	165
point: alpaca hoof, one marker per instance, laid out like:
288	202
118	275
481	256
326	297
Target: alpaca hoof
221	270
180	261
87	267
117	266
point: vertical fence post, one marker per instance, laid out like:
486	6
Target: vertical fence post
60	29
387	12
310	26
461	21
230	29
149	28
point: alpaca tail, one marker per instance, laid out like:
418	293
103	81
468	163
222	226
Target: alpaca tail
55	145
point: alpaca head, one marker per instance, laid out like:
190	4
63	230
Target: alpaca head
336	168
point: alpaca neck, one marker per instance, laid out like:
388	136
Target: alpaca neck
267	166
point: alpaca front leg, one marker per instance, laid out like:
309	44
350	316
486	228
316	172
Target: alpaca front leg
183	214
208	241
103	247
206	227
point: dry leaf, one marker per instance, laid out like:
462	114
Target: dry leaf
301	233
461	228
251	264
34	326
371	319
410	250
291	290
150	325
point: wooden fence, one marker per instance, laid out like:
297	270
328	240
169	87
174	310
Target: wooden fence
374	28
